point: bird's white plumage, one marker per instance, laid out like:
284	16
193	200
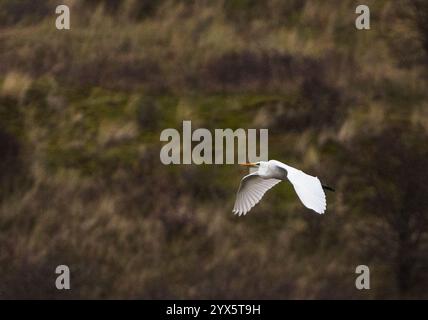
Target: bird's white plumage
309	190
255	185
250	192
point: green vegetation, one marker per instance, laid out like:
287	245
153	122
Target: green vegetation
81	183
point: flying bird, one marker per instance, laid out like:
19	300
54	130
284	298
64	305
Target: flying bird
269	173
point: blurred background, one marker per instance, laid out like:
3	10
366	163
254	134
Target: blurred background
81	182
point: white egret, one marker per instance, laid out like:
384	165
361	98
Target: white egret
270	173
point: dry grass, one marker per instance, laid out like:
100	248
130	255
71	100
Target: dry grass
80	177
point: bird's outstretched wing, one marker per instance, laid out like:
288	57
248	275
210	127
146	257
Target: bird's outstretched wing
251	190
308	188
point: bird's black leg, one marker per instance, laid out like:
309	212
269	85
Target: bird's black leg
328	188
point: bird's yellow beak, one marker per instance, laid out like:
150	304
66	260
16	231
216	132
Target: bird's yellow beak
248	164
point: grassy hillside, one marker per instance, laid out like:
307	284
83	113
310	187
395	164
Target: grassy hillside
81	183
